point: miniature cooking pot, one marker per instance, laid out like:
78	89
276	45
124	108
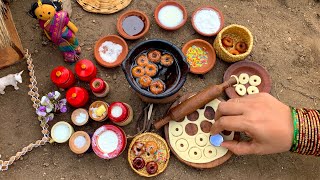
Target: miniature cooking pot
182	70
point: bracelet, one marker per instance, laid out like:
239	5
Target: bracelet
295	139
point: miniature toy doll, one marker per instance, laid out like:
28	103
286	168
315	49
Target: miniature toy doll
57	27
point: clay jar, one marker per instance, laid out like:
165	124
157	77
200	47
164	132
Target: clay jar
62	77
85	70
77	96
99	87
120	113
79	142
96	106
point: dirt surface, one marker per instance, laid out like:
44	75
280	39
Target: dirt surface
286	42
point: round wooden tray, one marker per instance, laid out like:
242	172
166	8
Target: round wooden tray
197	165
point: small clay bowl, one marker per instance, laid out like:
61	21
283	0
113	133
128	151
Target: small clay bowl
115	39
207	8
72	145
210	52
97	104
173	3
76	113
251	68
141	15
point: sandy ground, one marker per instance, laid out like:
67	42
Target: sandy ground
287	43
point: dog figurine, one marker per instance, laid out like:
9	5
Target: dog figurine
10	79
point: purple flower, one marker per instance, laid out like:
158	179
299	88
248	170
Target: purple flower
50	95
41	111
49	117
63	109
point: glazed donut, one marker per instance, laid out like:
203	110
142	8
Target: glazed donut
138	71
233	52
151	69
151	147
161	156
152	167
138	148
166	60
157	87
154	56
227	41
138	163
142	60
241	47
145	81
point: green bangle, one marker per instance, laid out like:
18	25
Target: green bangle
295	130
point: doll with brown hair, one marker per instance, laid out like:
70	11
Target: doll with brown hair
57	27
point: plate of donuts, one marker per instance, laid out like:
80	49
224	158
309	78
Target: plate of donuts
252	78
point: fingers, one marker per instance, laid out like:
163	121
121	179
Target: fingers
239	148
229	123
229	109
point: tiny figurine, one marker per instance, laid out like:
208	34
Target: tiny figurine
58	28
10	79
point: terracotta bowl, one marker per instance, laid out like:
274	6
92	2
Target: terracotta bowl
97	104
208	8
83	149
251	68
173	3
210	52
115	39
76	113
140	14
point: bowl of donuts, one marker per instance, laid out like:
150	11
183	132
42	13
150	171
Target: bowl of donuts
156	69
233	43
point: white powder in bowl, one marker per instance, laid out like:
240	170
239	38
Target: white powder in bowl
110	51
80	142
207	21
170	16
116	111
81	118
61	133
108	141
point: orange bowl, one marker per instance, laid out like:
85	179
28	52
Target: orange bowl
210	53
115	39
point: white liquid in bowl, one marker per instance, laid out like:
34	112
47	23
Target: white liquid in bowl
108	141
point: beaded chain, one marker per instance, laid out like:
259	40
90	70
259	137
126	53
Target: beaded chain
306	134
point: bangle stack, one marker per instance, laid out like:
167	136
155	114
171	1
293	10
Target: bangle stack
306	134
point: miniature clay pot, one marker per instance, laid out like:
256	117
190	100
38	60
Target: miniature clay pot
139	14
207	8
79	120
120	113
77	96
85	70
173	3
61	132
79	147
99	87
210	53
117	40
97	104
62	77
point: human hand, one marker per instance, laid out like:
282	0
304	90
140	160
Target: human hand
260	116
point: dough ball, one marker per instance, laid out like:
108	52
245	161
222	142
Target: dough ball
182	145
255	80
244	78
210	152
252	90
201	140
176	130
241	89
195	153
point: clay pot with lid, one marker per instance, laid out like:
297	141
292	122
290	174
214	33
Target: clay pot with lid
77	96
62	77
85	70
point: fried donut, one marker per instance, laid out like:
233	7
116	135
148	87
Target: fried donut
138	163
154	56
166	60
151	69
152	167
227	41
138	148
157	87
138	71
233	52
241	47
142	60
151	147
145	81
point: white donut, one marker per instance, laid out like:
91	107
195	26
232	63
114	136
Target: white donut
201	140
252	90
244	78
176	130
241	89
182	145
210	152
255	80
195	153
237	79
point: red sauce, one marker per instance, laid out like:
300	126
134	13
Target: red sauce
132	25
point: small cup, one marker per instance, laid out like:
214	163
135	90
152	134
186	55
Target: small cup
94	106
79	142
80	117
61	132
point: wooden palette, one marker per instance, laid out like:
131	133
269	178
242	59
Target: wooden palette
189	138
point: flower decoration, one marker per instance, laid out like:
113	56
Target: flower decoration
51	104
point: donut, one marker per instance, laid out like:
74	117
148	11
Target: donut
241	47
138	148
152	167
151	69
182	145
157	87
166	60
201	140
151	147
154	56
176	130
138	163
252	90
243	78
142	60
138	71
227	41
255	80
161	156
145	81
210	152
233	52
241	89
195	153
